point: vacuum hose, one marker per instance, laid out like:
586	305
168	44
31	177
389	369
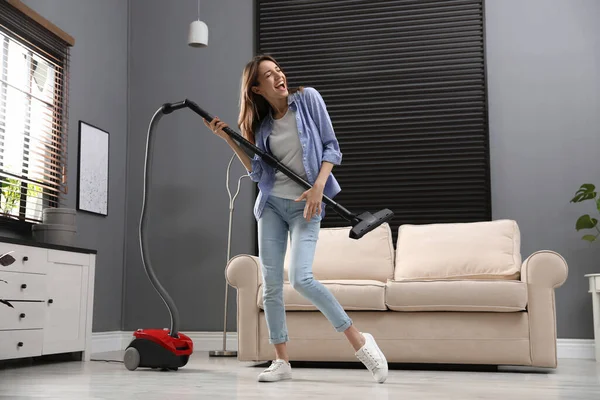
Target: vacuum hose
144	221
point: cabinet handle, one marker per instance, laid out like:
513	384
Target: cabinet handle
22	315
20	344
50	301
24	286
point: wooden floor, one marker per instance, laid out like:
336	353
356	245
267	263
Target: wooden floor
216	378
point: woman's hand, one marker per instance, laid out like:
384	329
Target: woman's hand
217	127
314	198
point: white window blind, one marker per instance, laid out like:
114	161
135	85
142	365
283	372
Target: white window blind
33	116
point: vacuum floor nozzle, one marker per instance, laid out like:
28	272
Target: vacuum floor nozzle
366	222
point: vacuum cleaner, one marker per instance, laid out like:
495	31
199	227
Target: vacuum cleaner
361	223
169	349
165	349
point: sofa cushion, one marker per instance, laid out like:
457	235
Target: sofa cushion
339	257
474	250
352	295
476	295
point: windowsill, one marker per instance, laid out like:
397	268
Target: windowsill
20	233
15	225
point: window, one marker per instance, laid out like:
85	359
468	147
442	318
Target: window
34	61
404	84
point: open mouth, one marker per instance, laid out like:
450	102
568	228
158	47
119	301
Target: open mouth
280	85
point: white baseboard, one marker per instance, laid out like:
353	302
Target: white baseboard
575	348
103	342
205	341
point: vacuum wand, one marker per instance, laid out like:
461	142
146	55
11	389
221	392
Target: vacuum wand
362	223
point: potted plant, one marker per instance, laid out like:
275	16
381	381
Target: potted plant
10	195
6	260
586	192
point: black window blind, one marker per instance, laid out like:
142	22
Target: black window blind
404	84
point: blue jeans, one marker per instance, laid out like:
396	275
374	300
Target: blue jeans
279	217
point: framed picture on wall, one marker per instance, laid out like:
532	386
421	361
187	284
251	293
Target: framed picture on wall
92	176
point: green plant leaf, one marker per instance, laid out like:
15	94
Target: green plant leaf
585	192
585	222
589	238
598	204
11	194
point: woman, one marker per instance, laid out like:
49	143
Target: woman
293	126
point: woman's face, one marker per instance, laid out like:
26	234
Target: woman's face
272	83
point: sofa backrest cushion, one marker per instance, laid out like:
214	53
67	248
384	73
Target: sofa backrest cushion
474	250
337	256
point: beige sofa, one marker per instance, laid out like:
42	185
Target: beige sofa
448	293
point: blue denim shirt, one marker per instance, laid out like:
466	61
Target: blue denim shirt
318	144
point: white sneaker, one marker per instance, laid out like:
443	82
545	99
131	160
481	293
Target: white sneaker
372	357
277	371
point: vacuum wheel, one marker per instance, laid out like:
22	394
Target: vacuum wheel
131	358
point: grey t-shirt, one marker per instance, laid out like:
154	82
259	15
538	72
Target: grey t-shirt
285	146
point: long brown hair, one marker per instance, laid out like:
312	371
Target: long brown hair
254	107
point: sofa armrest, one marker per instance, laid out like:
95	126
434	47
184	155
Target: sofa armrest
545	268
543	271
243	273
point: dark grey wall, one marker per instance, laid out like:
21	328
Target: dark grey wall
188	214
98	95
543	82
543	59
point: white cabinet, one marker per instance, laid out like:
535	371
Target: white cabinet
51	289
64	328
594	281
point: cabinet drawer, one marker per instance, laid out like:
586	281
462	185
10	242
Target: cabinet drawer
67	257
18	344
24	315
33	260
23	286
